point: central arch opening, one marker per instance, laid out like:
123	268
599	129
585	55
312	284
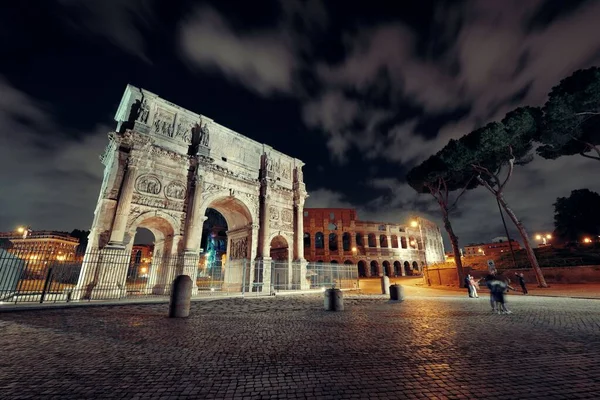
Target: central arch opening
225	245
213	243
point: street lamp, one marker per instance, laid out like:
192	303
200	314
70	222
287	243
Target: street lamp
481	251
417	223
24	231
544	237
587	240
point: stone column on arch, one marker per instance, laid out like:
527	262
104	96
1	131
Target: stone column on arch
249	267
193	235
262	272
300	262
194	221
114	259
119	226
299	231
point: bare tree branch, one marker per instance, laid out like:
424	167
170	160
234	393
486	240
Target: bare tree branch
486	171
461	193
487	186
511	167
588	156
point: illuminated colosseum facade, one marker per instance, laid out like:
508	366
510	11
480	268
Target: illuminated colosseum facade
335	235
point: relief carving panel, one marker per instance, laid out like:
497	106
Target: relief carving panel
175	190
287	216
163	122
274	213
279	168
239	249
149	184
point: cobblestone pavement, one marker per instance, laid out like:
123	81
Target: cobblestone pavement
433	345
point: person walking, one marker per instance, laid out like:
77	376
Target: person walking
474	286
521	279
498	288
488	282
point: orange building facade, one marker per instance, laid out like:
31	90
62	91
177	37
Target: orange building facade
335	235
493	249
39	248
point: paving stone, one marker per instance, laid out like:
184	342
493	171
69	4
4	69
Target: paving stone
430	346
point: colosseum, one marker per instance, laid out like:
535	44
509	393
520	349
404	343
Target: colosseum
335	235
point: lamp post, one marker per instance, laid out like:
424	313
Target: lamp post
417	223
544	237
24	230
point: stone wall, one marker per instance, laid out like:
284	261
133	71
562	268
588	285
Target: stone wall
442	275
582	274
445	275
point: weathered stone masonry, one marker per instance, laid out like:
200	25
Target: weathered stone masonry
164	166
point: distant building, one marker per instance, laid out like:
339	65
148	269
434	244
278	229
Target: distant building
39	248
497	247
335	235
141	260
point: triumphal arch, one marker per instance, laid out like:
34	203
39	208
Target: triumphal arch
164	167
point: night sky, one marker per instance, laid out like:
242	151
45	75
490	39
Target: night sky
360	92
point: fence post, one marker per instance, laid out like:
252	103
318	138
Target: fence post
46	284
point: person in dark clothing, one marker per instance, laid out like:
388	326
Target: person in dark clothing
521	279
488	283
498	287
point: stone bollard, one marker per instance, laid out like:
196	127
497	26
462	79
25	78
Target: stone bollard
181	297
385	285
396	293
334	300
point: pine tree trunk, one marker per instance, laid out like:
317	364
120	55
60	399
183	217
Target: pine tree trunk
530	254
455	248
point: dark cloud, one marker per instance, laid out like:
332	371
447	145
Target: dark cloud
364	92
121	22
50	186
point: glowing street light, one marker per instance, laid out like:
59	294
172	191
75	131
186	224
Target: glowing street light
544	237
414	223
587	240
24	230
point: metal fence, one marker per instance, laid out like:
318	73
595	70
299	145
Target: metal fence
112	274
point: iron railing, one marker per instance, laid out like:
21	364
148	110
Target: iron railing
44	275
